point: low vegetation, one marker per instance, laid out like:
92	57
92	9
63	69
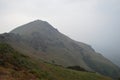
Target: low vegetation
78	68
16	66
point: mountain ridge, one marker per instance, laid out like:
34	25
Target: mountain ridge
43	41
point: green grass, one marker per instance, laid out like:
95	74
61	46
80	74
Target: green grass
17	66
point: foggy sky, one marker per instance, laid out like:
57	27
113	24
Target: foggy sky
96	22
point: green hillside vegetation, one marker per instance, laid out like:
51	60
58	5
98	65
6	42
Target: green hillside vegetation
43	41
16	66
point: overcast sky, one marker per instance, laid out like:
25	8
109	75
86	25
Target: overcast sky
96	22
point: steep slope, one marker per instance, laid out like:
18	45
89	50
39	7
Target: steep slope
98	62
40	40
16	66
13	65
43	38
115	59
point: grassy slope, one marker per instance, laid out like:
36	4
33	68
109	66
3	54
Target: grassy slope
15	66
40	37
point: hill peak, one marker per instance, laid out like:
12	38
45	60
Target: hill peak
34	26
38	21
50	45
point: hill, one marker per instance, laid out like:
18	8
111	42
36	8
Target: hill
42	41
16	66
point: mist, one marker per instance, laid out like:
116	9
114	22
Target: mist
95	22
